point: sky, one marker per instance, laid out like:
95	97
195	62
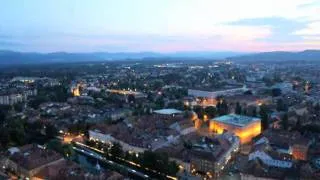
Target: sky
159	25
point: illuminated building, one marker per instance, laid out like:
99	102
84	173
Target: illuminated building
76	91
243	126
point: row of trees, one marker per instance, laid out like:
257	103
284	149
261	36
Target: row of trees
17	132
64	149
152	160
46	94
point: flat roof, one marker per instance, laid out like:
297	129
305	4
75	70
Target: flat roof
237	120
167	111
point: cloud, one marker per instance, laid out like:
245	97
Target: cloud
281	29
312	28
164	25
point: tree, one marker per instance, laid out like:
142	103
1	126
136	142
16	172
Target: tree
131	98
238	108
35	102
284	122
254	112
264	118
3	113
276	92
173	168
298	124
199	111
68	151
4	137
116	150
211	111
244	112
223	108
17	131
219	98
159	102
51	131
249	92
187	144
317	109
55	145
18	107
64	149
281	106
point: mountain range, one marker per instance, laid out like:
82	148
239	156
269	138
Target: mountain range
13	58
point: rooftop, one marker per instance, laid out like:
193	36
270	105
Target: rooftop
168	111
237	120
32	156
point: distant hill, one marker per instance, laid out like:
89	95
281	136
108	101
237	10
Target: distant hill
309	55
12	57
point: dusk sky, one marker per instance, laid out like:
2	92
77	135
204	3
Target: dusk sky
159	25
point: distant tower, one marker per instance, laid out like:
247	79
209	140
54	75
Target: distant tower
307	87
98	167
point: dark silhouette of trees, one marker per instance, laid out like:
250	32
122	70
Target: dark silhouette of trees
222	107
284	122
64	149
238	109
199	111
281	106
211	111
51	131
276	92
264	118
116	150
298	124
131	98
254	112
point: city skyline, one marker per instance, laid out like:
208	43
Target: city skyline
159	26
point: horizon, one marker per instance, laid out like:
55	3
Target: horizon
159	52
159	26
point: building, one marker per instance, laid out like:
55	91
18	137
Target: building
213	156
243	126
285	87
292	143
271	161
70	170
17	96
117	114
11	99
168	112
128	144
214	94
28	160
25	79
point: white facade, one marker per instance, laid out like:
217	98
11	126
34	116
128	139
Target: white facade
235	146
107	138
268	160
214	94
188	130
10	99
